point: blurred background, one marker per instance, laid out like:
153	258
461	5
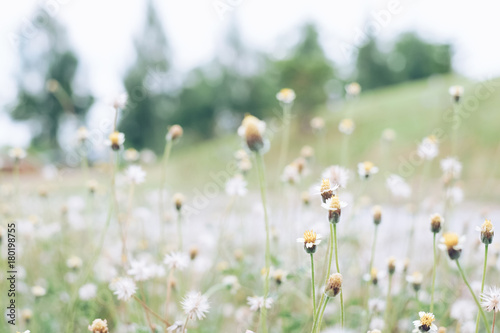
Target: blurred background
205	63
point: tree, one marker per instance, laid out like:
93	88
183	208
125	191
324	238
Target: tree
46	82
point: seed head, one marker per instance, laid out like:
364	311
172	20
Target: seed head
334	285
99	326
487	232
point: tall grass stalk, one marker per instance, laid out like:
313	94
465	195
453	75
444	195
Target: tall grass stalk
434	271
482	285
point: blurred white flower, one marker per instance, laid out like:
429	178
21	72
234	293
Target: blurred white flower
120	101
135	174
38	291
455	194
286	96
376	305
353	89
115	140
291	174
451	167
425	323
124	288
317	123
176	260
195	305
131	155
82	134
87	291
398	186
231	282
337	175
141	270
456	92
491	299
176	327
388	135
428	149
366	169
347	126
236	186
74	262
463	310
17	153
258	302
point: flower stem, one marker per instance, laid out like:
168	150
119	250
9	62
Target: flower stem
388	305
179	229
482	283
330	259
185	324
163	166
473	295
312	284
373	248
286	136
493	326
434	272
338	271
262	183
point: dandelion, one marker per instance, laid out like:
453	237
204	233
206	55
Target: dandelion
135	174
428	148
353	89
366	169
236	186
337	175
487	232
456	92
347	126
115	140
425	323
491	299
286	96
310	241
195	305
257	303
124	288
99	326
176	260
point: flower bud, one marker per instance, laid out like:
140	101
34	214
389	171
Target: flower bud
436	223
334	285
487	232
377	215
175	132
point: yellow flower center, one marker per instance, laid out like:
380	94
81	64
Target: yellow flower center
114	138
487	226
249	119
427	319
309	236
347	123
286	92
335	202
325	185
368	165
373	273
450	239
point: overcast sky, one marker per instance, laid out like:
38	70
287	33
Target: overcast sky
102	32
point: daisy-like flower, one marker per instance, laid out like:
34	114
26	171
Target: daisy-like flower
398	186
99	326
174	132
376	305
258	302
487	232
291	174
236	186
131	155
124	288
135	174
451	167
92	185
38	291
334	207
286	96
452	243
374	276
388	135
415	280
176	327
491	299
141	270
455	194
428	148
115	140
317	124
353	89
326	190
82	134
120	101
337	175
17	153
456	92
74	262
310	241
346	126
178	200
334	285
232	283
307	152
87	291
425	324
436	223
176	260
252	131
278	275
195	305
366	169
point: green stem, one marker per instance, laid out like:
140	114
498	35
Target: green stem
454	143
338	271
179	229
286	136
373	248
482	282
163	166
312	284
433	272
388	305
483	316
262	183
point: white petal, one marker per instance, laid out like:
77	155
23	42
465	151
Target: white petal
300	240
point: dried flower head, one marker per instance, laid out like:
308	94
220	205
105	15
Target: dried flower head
491	299
99	326
174	132
334	285
425	324
252	130
310	241
377	214
452	243
286	96
487	232
436	223
195	305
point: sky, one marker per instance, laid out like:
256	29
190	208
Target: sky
102	32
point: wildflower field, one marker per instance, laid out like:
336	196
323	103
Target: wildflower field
376	214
